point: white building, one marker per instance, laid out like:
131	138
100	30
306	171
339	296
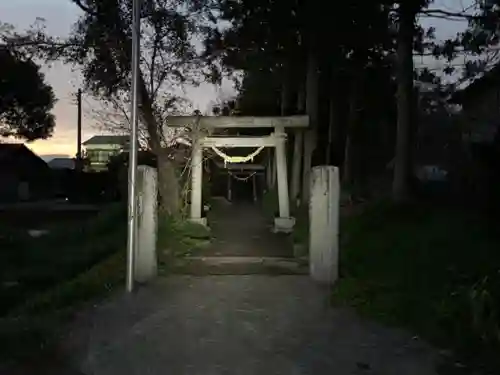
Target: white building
100	148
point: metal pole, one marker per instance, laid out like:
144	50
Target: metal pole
132	193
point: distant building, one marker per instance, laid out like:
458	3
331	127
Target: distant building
23	174
99	149
62	163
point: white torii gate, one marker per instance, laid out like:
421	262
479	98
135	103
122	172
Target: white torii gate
276	139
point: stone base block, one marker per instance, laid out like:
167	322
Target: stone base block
283	224
200	220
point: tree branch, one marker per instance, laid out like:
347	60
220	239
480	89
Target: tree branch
85	8
439	13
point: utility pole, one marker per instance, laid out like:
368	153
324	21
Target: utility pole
134	108
79	131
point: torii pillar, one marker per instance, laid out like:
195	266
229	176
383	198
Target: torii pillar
284	223
196	183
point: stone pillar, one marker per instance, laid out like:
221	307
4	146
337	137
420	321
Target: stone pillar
324	224
196	183
284	223
296	167
145	265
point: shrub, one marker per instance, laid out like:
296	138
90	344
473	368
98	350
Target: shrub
433	271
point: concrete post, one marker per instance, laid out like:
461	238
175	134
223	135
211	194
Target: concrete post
284	223
145	265
296	167
196	183
324	224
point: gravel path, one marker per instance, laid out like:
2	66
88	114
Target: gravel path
242	229
234	325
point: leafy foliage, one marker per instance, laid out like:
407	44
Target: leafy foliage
25	99
430	284
101	44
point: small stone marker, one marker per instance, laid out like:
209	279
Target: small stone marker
324	224
145	265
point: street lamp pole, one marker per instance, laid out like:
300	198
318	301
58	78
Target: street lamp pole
132	187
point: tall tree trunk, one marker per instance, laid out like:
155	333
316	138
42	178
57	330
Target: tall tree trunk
402	160
312	109
301	102
168	185
332	125
339	119
286	93
298	149
168	182
348	163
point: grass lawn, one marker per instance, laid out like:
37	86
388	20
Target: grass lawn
434	271
42	280
179	238
31	332
30	265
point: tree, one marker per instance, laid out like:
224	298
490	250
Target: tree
111	115
279	46
259	94
481	34
25	99
403	170
101	46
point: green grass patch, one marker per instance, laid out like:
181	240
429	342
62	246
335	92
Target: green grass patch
177	238
29	266
97	281
44	280
35	326
433	271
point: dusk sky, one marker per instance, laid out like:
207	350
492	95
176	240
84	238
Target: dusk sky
61	14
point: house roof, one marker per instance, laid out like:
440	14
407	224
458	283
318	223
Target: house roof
7	150
121	140
14	155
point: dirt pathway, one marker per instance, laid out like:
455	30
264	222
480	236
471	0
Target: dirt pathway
236	325
242	229
243	244
217	325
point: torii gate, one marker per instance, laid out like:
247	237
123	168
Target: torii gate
276	139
